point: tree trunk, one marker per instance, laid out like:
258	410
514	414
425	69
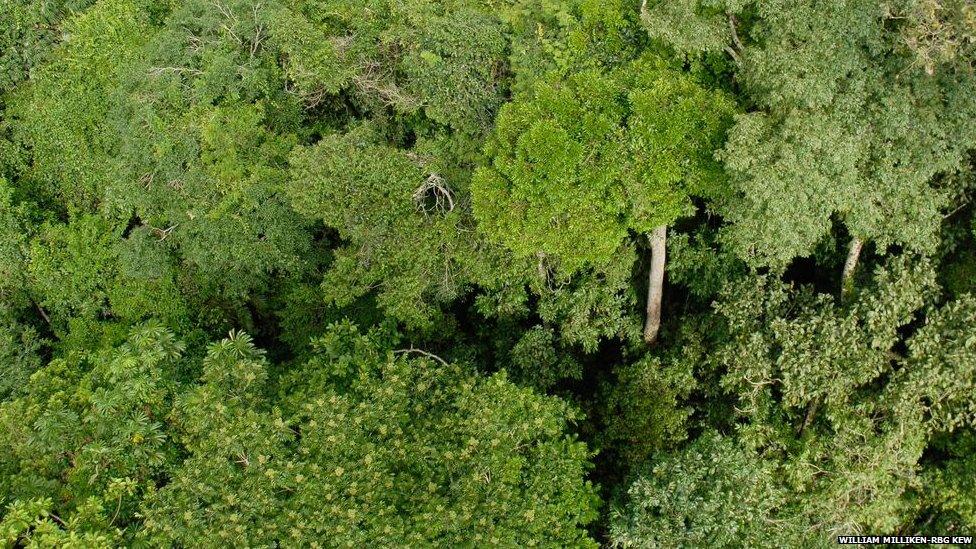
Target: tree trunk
808	417
847	279
655	287
43	312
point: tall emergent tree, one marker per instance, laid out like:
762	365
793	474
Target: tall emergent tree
580	161
858	111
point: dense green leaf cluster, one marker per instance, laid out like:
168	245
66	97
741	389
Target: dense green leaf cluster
464	273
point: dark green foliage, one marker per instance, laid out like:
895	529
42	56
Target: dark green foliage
402	220
434	231
538	361
948	491
642	412
29	31
207	130
846	122
20	346
442	59
941	366
84	272
838	416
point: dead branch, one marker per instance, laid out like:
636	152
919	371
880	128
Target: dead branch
434	188
421	352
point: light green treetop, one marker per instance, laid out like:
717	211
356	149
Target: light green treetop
579	162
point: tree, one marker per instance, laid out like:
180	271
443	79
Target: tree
827	390
88	434
427	227
583	160
84	272
845	124
440	60
28	34
402	219
830	421
206	128
140	443
370	446
939	32
713	492
940	369
62	116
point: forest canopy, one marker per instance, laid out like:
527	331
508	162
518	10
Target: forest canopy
465	273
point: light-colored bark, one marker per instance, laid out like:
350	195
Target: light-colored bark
655	287
847	278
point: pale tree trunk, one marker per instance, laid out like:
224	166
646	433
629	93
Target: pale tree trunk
655	287
847	279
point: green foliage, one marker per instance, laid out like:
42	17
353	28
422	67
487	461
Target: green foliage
689	25
537	361
441	59
822	389
71	267
64	116
566	36
84	272
593	305
949	491
363	445
642	407
28	33
840	129
714	492
206	129
89	430
939	32
806	344
941	366
392	451
829	431
697	262
583	160
478	179
13	242
20	345
32	524
401	218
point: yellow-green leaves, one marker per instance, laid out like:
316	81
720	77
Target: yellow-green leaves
66	110
580	162
392	448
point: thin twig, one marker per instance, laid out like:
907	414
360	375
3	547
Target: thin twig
156	71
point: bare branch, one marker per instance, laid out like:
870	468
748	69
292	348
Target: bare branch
156	71
735	33
434	188
421	352
163	233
